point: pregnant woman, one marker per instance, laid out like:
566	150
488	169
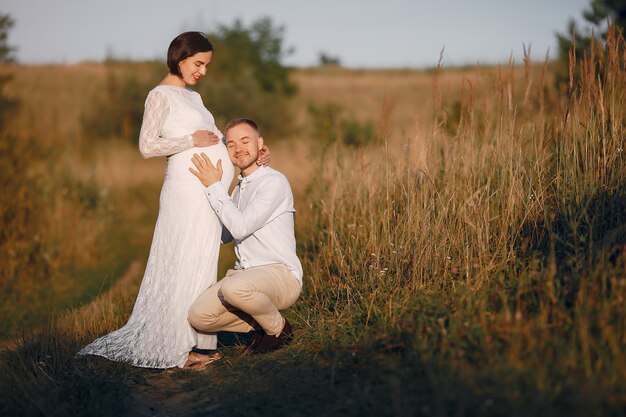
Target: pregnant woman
185	246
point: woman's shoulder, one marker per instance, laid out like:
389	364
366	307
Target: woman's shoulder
172	91
162	89
158	92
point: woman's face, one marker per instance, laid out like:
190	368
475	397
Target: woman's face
194	67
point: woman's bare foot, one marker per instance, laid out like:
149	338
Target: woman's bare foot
199	361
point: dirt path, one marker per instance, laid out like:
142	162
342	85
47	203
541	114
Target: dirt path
166	395
160	393
133	272
163	394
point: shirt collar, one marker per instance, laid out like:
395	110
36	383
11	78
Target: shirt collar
256	174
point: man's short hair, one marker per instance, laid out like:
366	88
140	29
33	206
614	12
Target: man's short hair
249	122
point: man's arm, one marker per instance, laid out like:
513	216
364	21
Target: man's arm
268	203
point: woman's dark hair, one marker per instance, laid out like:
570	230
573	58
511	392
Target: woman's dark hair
185	45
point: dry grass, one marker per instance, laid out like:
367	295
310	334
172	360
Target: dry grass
362	93
472	261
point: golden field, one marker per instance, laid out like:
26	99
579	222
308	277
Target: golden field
469	260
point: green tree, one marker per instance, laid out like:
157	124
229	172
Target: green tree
330	126
257	49
597	18
6	51
247	76
326	60
6	56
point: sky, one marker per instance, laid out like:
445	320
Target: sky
362	34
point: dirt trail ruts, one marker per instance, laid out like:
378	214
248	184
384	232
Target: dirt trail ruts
163	394
134	271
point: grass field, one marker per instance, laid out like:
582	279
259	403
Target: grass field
469	259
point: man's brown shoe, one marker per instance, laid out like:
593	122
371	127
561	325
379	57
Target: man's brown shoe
256	336
268	343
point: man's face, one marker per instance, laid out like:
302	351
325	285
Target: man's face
243	143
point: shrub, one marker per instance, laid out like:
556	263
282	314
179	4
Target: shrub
329	126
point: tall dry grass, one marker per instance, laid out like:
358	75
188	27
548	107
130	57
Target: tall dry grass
61	197
494	243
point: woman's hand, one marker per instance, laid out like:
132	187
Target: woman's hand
204	138
264	156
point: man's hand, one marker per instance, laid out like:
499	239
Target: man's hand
206	173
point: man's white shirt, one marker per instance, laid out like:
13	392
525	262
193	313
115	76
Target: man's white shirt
260	218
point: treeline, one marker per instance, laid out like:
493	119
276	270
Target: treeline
246	79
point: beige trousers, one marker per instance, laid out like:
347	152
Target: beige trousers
246	296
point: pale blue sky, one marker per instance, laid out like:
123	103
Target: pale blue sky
390	33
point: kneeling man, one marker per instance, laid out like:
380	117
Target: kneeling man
260	218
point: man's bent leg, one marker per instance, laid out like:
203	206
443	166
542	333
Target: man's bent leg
261	292
210	314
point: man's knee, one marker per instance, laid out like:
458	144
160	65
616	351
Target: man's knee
232	291
200	318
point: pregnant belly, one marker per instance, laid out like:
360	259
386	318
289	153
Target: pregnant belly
178	165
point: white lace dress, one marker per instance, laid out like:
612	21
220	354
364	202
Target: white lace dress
185	246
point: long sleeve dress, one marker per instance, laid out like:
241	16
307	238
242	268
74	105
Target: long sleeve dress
185	246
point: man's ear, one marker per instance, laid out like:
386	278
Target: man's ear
260	141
